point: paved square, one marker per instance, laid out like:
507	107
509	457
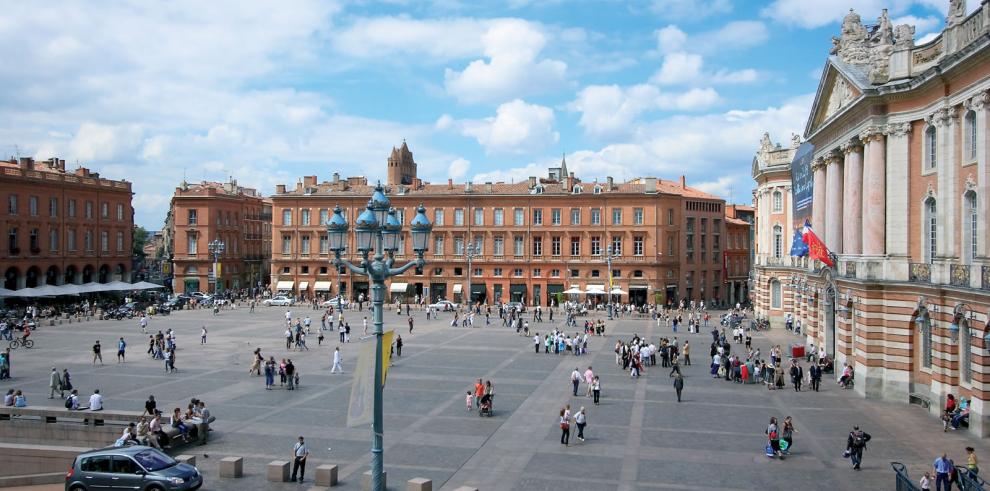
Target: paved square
638	438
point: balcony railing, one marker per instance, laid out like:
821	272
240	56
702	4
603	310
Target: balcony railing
920	273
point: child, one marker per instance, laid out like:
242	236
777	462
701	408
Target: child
926	482
469	400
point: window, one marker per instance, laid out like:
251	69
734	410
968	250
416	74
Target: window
120	241
33	206
12	204
931	231
537	272
775	294
438	217
53	207
596	246
438	245
458	246
555	273
517	216
555	216
304	244
517	272
70	239
324	244
286	217
778	202
931	141
537	246
670	216
104	210
105	241
497	272
555	246
575	216
596	216
498	246
538	216
324	216
638	246
304	217
972	226
286	244
517	246
88	242
89	210
778	241
53	240
971	137
616	216
479	216
617	246
575	246
191	220
637	216
71	208
120	212
499	217
458	217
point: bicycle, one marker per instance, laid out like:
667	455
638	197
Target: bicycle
27	343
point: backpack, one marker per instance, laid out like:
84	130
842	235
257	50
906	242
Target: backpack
858	439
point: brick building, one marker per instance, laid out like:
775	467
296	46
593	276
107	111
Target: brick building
237	216
63	227
897	180
533	239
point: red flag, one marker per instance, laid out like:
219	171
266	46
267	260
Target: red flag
816	248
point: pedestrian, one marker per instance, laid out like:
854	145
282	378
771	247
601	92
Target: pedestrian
336	361
575	380
596	388
96	353
942	468
565	428
202	336
971	464
678	385
855	444
54	383
121	346
398	346
581	420
299	454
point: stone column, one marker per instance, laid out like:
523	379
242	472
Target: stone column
897	178
818	196
852	198
874	192
833	203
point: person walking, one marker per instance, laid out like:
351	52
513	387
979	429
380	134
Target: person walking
575	380
942	467
855	444
581	420
336	361
121	346
96	352
54	383
299	454
565	428
678	385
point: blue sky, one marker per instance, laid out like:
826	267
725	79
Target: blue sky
484	91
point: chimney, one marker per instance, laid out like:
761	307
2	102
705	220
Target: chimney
683	182
450	183
532	181
609	183
336	177
280	189
309	181
570	182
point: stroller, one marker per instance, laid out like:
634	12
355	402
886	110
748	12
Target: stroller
485	406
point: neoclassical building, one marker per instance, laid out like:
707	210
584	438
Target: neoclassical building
899	193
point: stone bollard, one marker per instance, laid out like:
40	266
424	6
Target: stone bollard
366	480
419	484
277	471
187	459
232	467
326	475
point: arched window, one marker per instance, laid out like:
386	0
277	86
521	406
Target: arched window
965	353
970	228
778	241
778	202
930	230
775	294
931	141
970	129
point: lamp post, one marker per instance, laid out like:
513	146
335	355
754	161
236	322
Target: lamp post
377	232
469	254
216	247
608	261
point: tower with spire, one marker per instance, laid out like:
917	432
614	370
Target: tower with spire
401	166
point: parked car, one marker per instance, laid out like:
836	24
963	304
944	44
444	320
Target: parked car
333	303
138	467
280	300
517	306
444	305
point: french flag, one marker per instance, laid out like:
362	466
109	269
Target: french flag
816	248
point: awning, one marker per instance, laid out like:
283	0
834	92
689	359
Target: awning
573	291
303	286
458	287
397	287
284	285
321	286
638	287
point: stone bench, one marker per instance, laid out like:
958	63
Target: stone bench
419	484
277	471
326	475
232	467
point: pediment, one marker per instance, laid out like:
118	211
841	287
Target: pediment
836	92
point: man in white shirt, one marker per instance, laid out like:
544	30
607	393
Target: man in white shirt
96	401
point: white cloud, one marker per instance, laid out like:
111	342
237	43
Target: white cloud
458	168
512	47
516	128
682	68
695	99
689	9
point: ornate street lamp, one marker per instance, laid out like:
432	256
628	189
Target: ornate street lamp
216	248
381	237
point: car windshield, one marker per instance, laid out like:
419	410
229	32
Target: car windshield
153	460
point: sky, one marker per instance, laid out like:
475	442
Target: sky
266	92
